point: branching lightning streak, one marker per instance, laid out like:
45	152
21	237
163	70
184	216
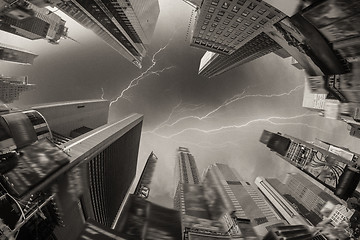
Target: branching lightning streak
144	74
213	131
172	113
231	100
168	119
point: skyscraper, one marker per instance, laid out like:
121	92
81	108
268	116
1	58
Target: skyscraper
248	202
16	55
186	172
143	186
126	26
272	189
12	87
224	26
73	118
85	177
213	64
30	21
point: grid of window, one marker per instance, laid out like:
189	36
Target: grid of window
243	17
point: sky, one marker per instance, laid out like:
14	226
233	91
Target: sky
218	119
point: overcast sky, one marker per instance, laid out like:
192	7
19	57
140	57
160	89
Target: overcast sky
177	102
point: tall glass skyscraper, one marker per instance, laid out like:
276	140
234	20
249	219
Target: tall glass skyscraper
126	26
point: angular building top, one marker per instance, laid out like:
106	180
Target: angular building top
124	25
16	55
224	26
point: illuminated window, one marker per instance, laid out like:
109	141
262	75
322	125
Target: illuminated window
235	9
214	2
211	10
239	20
225	5
245	13
254	17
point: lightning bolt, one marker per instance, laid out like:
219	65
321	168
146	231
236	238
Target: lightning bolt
225	128
102	94
172	113
231	100
145	74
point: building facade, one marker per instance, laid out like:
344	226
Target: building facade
30	21
143	186
70	119
12	87
248	202
286	209
213	64
126	26
16	55
223	26
186	172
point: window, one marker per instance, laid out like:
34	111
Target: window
250	31
212	29
230	30
235	25
254	17
206	22
241	2
222	27
221	13
247	23
261	11
235	9
225	5
208	16
203	27
270	16
219	32
252	6
217	19
256	27
233	37
214	24
230	16
263	21
239	20
226	22
214	2
227	34
245	13
211	10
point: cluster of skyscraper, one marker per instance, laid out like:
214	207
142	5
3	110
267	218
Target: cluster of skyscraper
317	36
126	26
221	205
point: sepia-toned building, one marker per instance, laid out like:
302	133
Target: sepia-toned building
126	26
224	26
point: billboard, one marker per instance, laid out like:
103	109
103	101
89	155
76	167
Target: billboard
141	219
36	162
